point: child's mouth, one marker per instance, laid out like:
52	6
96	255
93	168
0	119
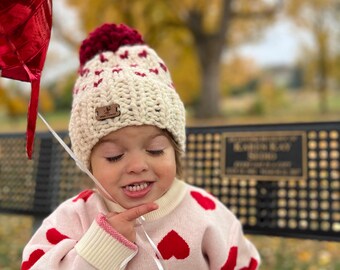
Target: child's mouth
137	189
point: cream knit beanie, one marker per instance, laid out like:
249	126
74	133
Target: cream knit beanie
122	82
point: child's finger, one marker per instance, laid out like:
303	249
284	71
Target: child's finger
136	212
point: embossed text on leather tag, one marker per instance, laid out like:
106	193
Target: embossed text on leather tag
109	111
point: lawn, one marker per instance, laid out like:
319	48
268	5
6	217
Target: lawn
277	253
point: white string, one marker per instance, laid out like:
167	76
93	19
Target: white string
78	162
158	260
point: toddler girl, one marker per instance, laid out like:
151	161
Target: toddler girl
127	127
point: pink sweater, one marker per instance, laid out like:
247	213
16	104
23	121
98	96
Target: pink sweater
191	229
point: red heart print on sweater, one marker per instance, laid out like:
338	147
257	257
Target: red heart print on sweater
230	264
84	195
252	265
54	236
33	258
173	245
205	202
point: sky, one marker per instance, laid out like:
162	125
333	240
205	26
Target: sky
280	45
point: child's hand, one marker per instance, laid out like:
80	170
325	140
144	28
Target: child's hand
125	222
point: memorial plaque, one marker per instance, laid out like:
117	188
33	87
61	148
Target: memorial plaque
267	155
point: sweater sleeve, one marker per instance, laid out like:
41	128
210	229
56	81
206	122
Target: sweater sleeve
242	250
104	247
69	239
234	250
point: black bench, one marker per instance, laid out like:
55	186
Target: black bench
280	180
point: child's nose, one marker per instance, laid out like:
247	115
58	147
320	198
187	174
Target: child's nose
137	163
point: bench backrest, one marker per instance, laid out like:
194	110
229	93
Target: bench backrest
281	180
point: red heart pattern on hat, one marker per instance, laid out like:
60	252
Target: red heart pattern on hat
33	258
84	195
205	202
54	236
173	245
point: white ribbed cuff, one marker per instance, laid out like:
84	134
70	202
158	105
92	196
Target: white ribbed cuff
103	251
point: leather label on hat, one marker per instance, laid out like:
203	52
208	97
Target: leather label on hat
109	111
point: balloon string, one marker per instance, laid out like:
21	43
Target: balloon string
72	155
158	260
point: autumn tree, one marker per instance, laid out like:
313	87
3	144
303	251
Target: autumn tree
14	103
208	28
320	18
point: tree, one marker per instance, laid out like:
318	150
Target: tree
211	23
321	19
239	74
205	25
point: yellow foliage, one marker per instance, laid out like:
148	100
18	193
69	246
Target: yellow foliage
3	95
46	103
319	18
17	106
184	69
14	105
238	71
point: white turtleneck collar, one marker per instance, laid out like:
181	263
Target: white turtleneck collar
166	203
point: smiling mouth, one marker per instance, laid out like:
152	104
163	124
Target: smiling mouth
138	190
137	187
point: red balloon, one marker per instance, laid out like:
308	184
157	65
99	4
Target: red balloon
25	31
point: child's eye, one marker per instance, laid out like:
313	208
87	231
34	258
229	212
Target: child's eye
115	158
156	152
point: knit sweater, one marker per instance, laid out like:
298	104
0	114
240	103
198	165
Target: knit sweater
191	229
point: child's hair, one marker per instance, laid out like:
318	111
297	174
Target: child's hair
178	153
122	82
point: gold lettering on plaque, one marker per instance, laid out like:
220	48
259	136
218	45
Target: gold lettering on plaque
266	155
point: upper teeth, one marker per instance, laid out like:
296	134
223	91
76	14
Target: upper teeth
136	187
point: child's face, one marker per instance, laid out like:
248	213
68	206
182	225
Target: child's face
135	164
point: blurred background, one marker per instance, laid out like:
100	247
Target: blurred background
232	62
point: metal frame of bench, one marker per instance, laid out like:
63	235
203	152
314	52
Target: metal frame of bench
279	179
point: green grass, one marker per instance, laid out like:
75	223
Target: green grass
280	253
58	121
277	253
289	107
15	231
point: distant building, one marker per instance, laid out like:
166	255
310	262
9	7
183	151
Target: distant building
284	76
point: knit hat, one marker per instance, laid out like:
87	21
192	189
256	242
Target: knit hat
122	82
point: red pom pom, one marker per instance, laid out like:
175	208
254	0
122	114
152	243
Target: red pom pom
108	37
